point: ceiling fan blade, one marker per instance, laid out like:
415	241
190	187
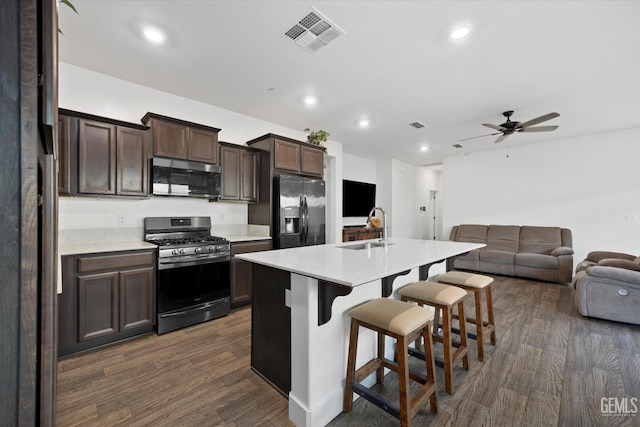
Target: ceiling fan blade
481	136
538	120
496	127
539	129
501	138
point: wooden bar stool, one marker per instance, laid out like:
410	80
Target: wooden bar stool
405	323
475	283
442	298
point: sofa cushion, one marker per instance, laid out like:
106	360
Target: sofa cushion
503	238
539	240
471	233
468	261
497	262
536	261
497	257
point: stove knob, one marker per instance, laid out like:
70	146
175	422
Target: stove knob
211	249
181	251
198	250
174	252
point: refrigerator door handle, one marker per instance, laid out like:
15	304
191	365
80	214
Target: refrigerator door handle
301	220
305	213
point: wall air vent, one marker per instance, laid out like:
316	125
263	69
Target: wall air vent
417	125
456	145
314	31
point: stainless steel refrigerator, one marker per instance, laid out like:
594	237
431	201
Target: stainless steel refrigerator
299	211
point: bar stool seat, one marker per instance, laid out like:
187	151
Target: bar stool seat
405	323
475	283
442	298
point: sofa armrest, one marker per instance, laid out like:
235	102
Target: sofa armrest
619	263
614	273
562	250
596	256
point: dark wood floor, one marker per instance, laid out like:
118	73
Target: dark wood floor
550	367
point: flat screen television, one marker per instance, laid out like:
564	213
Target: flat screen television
357	198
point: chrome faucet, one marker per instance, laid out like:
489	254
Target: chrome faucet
384	221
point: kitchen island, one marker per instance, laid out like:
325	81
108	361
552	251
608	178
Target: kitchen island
300	326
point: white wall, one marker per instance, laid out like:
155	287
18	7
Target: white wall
410	190
589	184
401	188
94	93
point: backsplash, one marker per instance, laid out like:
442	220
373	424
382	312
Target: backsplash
93	220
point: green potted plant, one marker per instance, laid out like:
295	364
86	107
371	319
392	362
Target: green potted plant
317	137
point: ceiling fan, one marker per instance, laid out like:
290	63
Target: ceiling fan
507	128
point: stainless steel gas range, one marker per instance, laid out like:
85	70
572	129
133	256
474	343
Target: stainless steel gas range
193	271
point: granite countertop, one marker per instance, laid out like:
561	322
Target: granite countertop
334	263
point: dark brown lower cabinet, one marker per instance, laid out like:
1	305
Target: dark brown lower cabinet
105	298
241	271
350	234
271	327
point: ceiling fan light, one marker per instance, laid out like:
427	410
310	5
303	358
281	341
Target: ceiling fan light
460	33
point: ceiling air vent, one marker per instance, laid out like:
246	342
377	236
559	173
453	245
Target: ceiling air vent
456	145
417	125
314	31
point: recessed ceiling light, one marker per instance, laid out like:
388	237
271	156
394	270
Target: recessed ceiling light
310	100
460	33
154	35
424	148
363	123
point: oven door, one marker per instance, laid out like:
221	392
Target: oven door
188	295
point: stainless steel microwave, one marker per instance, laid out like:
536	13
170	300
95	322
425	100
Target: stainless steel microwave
172	177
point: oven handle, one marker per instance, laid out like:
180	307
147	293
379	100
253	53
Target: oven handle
204	306
196	260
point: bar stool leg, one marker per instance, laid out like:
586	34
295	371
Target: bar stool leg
403	380
351	366
430	365
380	370
447	344
492	336
477	294
463	334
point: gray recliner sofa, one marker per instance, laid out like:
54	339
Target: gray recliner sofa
542	253
608	286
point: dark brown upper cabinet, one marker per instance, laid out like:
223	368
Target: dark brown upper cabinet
239	173
179	139
311	161
96	157
101	156
286	155
291	156
64	155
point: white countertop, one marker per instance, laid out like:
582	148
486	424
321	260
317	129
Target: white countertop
90	248
246	238
348	267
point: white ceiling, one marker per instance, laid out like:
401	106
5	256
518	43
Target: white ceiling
395	65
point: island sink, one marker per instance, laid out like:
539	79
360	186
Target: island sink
367	245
